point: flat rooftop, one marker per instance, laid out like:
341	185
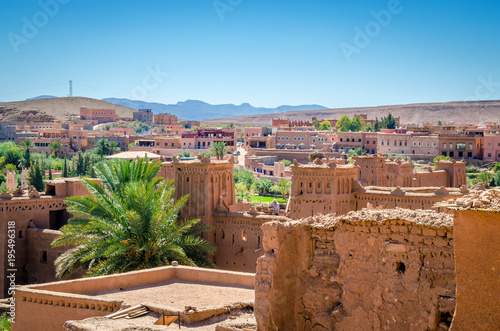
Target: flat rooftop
177	293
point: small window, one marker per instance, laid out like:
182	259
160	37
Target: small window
44	257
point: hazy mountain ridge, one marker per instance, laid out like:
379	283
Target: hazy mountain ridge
474	112
199	110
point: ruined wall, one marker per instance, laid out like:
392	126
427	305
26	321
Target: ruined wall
477	248
368	270
238	238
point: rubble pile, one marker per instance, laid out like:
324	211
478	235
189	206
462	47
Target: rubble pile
486	200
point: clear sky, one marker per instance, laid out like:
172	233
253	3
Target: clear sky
337	53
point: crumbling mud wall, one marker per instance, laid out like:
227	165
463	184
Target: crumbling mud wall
367	270
477	256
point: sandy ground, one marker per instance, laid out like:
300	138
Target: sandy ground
179	294
239	319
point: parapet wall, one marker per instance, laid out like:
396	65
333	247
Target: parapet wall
367	270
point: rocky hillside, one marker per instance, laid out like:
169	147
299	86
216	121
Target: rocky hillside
54	108
460	112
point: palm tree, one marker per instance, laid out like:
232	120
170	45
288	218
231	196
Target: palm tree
28	147
284	187
220	149
113	147
129	223
102	147
55	146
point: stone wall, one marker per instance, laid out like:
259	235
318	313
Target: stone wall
367	270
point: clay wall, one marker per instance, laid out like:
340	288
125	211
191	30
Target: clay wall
395	273
238	238
477	270
434	178
400	174
325	189
40	260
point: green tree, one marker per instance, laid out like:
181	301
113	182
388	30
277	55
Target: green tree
102	148
440	123
325	126
357	124
50	173
10	167
28	146
245	177
485	177
359	151
113	147
376	125
496	178
55	146
440	158
129	223
369	127
35	176
263	185
344	123
65	173
284	187
496	168
390	122
315	123
5	322
220	149
11	152
286	162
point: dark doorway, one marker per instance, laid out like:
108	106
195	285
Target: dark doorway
57	218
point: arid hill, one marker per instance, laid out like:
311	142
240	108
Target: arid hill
477	112
54	108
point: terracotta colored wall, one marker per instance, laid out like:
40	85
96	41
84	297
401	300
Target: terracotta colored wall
477	248
350	276
238	240
429	179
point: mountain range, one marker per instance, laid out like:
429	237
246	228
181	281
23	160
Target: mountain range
199	110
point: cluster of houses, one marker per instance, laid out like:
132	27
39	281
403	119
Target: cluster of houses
426	140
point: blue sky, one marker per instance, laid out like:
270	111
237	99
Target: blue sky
265	52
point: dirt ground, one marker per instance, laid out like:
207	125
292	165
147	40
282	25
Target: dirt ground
179	294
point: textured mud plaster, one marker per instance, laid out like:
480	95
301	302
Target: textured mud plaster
367	270
477	253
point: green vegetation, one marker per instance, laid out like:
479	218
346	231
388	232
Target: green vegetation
28	146
286	162
472	169
346	124
283	187
130	223
261	199
141	128
55	146
440	158
4	322
220	149
35	176
325	126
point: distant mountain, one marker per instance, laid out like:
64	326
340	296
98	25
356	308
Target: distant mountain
199	110
476	112
42	97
